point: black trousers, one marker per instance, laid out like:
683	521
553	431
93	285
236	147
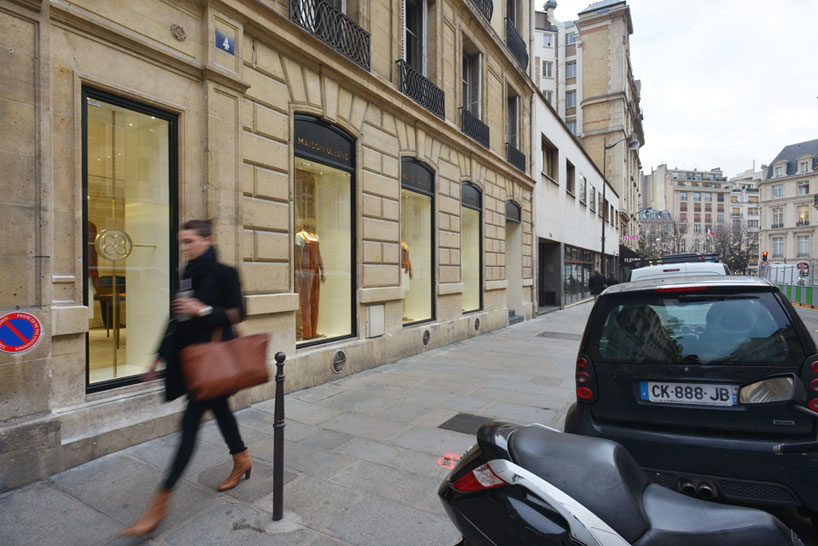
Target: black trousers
190	427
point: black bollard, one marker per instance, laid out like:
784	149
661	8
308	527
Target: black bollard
278	441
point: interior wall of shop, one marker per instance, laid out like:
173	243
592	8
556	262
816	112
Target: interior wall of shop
235	159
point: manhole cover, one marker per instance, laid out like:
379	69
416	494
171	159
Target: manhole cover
560	335
465	423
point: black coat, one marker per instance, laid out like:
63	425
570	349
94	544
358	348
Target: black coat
596	284
214	284
611	280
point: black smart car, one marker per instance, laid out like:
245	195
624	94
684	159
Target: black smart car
659	369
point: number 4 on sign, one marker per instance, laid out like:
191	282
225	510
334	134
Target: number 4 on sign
226	44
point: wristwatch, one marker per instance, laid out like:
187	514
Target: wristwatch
204	311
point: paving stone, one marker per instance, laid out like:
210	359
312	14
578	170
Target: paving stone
468	404
367	450
522	414
161	451
423	464
434	441
326	439
373	428
303	458
308	413
41	515
238	525
403	412
210	433
387	481
434	417
314	394
357	402
377	521
422	397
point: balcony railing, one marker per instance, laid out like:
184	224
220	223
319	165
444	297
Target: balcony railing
802	223
417	87
515	157
476	129
486	7
516	44
776	226
333	27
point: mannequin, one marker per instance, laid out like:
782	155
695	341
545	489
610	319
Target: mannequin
309	275
405	265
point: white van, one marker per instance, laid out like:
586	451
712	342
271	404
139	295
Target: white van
685	269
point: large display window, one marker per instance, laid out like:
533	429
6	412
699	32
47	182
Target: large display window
129	179
471	247
323	257
417	241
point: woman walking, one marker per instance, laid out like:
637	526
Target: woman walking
214	303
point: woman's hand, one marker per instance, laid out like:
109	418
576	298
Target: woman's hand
187	306
150	375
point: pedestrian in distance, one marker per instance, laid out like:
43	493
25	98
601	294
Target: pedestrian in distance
210	299
611	280
596	284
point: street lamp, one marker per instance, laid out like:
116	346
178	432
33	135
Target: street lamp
633	144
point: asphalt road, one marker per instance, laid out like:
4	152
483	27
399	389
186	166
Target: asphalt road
810	318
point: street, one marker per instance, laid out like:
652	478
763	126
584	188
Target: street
364	455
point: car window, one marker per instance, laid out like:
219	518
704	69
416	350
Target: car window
749	328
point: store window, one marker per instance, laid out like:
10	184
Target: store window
417	241
129	186
471	247
324	250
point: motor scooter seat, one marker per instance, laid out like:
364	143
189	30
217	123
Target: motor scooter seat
598	473
678	520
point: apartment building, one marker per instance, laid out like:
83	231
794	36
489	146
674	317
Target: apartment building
394	136
745	213
583	69
697	201
787	196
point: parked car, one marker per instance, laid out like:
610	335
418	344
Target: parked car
679	270
659	369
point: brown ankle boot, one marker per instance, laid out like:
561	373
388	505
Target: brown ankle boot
241	465
154	513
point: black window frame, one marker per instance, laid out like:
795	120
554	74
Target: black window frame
88	92
411	184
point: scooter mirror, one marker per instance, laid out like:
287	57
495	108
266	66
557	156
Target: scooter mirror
773	390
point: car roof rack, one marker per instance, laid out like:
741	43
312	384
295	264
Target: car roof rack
685	257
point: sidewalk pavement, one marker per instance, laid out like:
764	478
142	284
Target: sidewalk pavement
361	454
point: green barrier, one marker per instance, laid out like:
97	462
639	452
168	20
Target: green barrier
801	295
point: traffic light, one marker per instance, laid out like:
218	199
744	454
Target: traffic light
764	256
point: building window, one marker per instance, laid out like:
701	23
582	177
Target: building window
417	240
720	218
571	99
697	228
548	98
675	176
683	196
570	174
592	199
683	217
697	196
778	218
324	250
803	215
471	83
572	126
735	211
720	197
752	211
778	247
803	188
471	264
752	223
513	120
549	159
803	246
803	167
571	69
583	198
708	197
779	172
413	39
129	186
547	69
547	40
571	39
778	191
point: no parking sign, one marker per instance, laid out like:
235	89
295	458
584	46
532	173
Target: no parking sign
19	332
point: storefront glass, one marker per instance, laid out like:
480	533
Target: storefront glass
417	242
323	241
129	166
471	246
579	264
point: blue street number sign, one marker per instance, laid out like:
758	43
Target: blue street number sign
225	42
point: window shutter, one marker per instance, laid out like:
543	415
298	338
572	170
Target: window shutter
403	28
474	84
513	121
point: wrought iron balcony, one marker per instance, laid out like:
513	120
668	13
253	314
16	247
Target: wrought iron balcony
516	44
802	223
515	157
476	129
417	87
776	226
333	27
486	7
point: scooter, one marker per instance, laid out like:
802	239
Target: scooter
533	485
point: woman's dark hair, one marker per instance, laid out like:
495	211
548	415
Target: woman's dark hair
201	227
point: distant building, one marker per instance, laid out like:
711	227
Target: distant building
656	229
745	212
787	197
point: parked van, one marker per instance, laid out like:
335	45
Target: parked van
679	270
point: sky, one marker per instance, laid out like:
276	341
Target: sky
724	82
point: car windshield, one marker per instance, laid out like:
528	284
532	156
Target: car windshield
694	328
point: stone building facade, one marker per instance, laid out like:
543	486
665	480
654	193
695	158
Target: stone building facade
787	200
394	135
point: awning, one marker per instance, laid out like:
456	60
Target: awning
627	256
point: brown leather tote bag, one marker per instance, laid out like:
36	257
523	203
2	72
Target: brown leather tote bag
222	368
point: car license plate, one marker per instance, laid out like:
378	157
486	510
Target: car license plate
700	394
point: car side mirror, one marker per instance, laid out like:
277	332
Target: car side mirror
773	390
